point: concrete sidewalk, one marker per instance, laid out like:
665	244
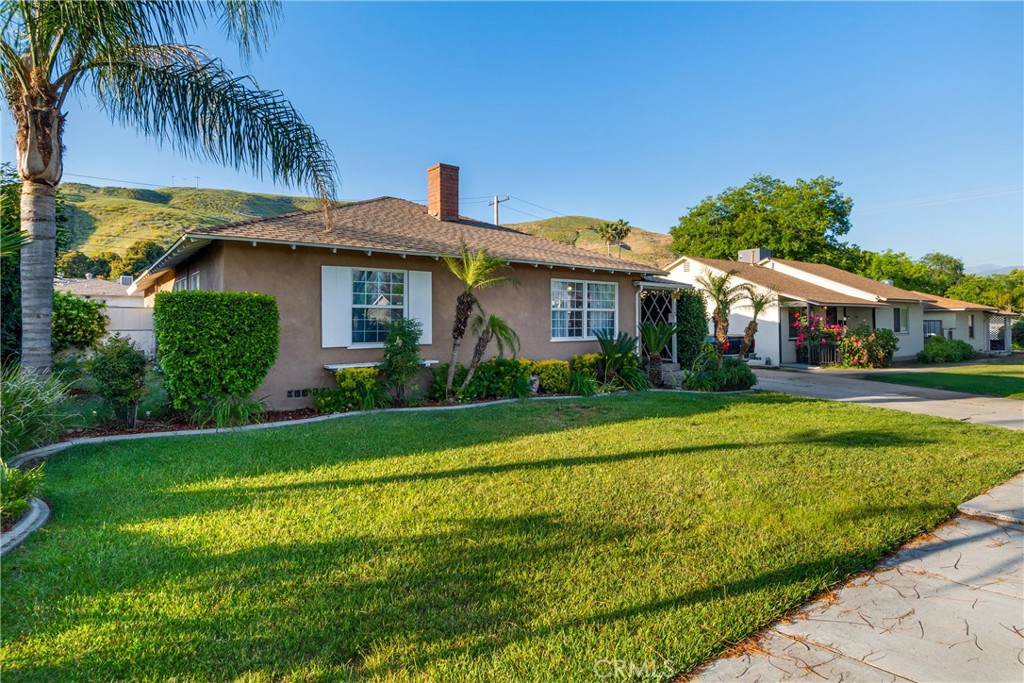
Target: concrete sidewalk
998	412
949	606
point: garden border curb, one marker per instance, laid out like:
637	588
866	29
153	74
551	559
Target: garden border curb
43	452
37	515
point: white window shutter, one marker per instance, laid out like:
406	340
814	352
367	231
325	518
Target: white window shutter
335	306
421	303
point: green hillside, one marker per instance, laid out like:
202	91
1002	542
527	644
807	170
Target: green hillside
114	218
642	245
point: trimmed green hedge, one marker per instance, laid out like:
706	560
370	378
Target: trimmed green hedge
553	375
214	344
938	349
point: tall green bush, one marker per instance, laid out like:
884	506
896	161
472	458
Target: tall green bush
119	369
214	344
30	414
401	361
77	323
692	325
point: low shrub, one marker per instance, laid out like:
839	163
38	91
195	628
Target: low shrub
586	364
1017	334
494	378
77	323
733	375
863	347
30	414
230	411
358	389
553	376
214	344
17	489
938	349
119	369
401	360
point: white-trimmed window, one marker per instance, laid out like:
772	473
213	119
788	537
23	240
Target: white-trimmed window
901	319
193	281
378	297
582	308
358	303
180	284
970	326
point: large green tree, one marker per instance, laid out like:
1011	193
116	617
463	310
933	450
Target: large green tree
804	220
1005	290
933	273
133	58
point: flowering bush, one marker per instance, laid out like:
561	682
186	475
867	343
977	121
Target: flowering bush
863	347
813	329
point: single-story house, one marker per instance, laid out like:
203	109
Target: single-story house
128	314
800	288
381	259
986	328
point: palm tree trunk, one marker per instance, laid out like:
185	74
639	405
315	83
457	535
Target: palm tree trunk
478	355
38	219
463	309
748	338
654	369
721	334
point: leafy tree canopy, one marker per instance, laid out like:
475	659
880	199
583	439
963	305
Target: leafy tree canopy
1005	290
934	273
803	221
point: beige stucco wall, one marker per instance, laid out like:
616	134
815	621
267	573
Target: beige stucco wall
956	324
293	277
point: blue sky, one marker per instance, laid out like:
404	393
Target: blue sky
638	111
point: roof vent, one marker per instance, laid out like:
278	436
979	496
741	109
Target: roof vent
753	255
126	280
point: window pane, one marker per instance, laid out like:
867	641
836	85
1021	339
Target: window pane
600	321
566	295
566	324
600	296
378	288
369	325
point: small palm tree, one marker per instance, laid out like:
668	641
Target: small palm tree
134	61
475	270
720	290
607	233
622	230
759	301
656	338
488	327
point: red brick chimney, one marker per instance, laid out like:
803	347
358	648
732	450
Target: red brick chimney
443	191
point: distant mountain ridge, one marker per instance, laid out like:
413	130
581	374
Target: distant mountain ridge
642	246
114	218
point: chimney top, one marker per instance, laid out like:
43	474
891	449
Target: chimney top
753	255
443	191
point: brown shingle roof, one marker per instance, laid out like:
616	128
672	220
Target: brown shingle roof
396	225
864	284
787	285
942	303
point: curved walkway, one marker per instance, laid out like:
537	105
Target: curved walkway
988	410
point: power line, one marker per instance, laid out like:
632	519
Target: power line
519	199
525	213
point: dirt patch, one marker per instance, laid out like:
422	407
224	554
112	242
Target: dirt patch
177	423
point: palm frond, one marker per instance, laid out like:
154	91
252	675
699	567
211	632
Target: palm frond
177	94
476	269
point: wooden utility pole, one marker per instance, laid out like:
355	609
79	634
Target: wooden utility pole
494	202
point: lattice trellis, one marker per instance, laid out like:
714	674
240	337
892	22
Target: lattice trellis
657	306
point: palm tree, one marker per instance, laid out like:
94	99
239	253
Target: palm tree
724	295
759	301
656	338
488	327
132	58
475	270
622	230
607	232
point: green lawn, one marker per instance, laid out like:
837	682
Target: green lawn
522	541
992	379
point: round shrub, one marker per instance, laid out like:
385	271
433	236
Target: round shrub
77	323
941	350
734	375
214	344
553	375
863	347
357	389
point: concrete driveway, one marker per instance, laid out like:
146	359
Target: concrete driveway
998	412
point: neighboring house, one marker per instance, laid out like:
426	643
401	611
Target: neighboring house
337	288
800	288
986	328
129	317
